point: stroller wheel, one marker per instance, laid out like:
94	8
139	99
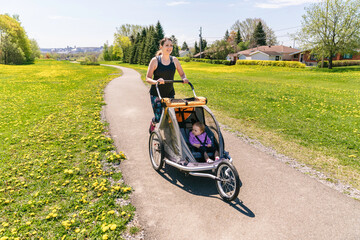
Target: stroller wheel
156	151
229	182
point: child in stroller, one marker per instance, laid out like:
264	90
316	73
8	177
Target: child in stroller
201	142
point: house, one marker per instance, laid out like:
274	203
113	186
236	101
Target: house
311	60
270	53
184	53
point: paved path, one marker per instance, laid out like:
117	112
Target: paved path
278	201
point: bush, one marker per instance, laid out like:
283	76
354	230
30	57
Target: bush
340	63
291	64
214	61
90	60
89	63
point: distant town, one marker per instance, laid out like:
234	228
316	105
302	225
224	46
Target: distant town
69	49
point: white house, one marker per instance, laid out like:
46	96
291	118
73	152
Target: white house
270	53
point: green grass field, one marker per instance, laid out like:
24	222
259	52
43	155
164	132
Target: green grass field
56	179
312	115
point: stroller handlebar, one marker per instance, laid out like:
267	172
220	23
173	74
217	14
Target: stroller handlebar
173	81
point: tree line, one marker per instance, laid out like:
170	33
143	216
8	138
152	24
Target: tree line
15	46
136	44
246	34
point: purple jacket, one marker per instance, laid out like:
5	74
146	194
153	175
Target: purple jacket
193	140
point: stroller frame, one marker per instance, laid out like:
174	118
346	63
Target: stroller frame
169	143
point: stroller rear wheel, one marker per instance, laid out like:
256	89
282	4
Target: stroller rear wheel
156	151
228	183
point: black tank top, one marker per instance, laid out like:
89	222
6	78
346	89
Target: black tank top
166	72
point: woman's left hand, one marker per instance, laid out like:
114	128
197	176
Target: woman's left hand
185	80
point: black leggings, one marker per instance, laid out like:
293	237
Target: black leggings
204	149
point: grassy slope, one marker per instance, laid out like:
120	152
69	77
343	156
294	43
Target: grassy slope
53	185
310	114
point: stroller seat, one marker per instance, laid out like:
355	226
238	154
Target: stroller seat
197	155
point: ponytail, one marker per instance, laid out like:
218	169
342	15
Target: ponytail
158	53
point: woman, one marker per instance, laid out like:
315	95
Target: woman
162	67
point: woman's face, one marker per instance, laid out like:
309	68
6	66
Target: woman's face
167	47
196	130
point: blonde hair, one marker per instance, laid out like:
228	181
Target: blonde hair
161	43
200	125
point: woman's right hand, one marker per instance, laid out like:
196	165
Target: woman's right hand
160	81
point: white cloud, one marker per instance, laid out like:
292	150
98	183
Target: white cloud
177	3
283	3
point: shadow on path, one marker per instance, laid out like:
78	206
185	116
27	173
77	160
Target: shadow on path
200	186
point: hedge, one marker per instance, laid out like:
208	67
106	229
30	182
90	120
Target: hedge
340	63
204	60
293	64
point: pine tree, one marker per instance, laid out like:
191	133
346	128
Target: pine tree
196	48
175	51
147	53
185	47
259	35
226	37
159	32
134	49
238	38
140	50
203	44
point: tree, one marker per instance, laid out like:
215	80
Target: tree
226	36
203	44
331	27
184	46
259	35
35	50
128	30
122	46
14	43
196	48
106	53
159	32
219	49
243	45
247	28
175	51
238	38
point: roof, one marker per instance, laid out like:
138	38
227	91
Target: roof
269	53
269	50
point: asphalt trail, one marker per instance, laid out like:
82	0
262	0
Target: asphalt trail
278	202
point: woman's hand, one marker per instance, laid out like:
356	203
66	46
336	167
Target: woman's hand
185	80
160	81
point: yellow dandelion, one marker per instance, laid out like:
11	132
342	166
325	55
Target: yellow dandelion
77	230
105	237
5	224
113	227
111	212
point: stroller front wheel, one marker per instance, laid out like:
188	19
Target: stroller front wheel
156	151
228	183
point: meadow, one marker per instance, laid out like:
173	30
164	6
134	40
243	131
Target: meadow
311	115
58	178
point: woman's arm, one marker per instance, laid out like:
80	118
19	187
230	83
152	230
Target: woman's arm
150	73
180	70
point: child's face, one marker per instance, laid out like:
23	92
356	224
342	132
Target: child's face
196	130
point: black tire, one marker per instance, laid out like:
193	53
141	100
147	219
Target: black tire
229	182
156	151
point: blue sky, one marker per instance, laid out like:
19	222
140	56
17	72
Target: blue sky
90	23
